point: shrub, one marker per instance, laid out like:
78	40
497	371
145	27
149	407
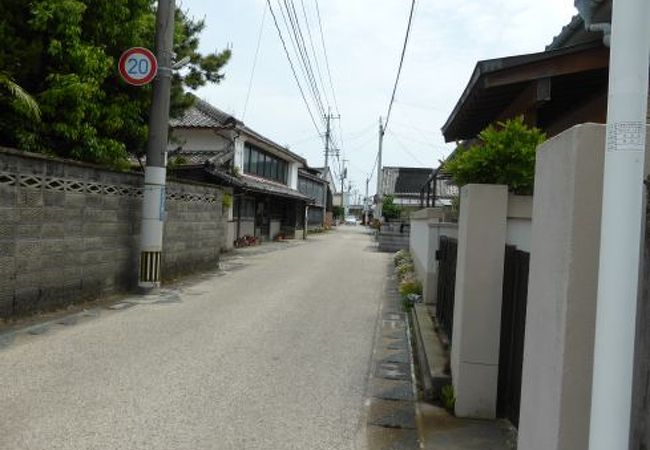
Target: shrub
404	269
410	285
448	398
389	209
402	256
226	202
506	155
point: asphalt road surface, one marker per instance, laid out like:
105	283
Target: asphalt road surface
273	355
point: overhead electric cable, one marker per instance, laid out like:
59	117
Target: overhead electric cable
293	26
401	63
293	70
257	51
313	50
406	149
327	63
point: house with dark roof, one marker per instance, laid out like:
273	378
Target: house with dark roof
403	184
214	147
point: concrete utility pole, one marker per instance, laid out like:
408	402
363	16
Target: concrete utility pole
365	203
328	137
621	226
327	156
153	203
344	175
380	199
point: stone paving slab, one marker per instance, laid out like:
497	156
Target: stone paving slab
401	357
397	345
393	371
382	438
391	389
394	334
392	413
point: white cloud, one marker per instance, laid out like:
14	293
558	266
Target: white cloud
364	39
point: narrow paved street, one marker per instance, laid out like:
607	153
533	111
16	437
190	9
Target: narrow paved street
274	354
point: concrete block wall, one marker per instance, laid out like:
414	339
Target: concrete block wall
69	231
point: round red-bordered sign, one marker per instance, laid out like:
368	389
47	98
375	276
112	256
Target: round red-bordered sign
138	66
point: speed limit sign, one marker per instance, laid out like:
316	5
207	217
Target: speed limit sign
138	66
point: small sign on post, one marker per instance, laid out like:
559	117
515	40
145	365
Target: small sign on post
138	66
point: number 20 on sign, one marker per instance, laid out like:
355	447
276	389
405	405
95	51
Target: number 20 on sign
138	66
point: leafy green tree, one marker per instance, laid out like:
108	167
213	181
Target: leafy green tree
389	209
18	98
505	155
65	53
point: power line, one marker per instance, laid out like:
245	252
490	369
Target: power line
327	64
257	51
397	139
295	32
313	50
293	70
401	63
293	38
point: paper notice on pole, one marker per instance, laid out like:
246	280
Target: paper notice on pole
626	137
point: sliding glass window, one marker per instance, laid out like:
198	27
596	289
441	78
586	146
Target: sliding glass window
260	163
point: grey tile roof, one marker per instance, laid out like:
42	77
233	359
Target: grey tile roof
255	184
271	187
203	115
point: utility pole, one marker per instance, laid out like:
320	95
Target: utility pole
328	137
621	227
350	202
153	203
380	199
342	177
327	156
365	203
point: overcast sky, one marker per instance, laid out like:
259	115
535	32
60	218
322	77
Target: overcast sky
364	39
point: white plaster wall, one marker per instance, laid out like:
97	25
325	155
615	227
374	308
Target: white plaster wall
477	306
238	158
562	286
274	228
419	246
293	175
230	236
519	233
197	140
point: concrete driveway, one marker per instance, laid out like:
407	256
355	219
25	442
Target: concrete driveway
273	354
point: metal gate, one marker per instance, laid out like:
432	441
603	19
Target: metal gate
513	326
446	256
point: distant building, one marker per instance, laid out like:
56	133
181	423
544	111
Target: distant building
313	186
213	147
404	184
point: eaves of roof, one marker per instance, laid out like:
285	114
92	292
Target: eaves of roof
502	65
255	184
305	174
206	116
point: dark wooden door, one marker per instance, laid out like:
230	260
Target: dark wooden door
513	328
446	256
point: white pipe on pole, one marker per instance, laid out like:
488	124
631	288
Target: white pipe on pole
620	242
